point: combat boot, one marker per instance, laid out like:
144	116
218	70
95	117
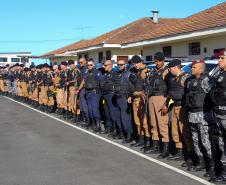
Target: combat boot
165	151
128	138
147	144
211	171
220	178
98	126
153	149
117	135
139	142
198	167
178	156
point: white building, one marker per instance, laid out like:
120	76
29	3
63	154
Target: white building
12	58
197	36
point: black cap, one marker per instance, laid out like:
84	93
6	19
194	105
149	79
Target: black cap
159	56
26	69
64	63
71	62
32	66
21	65
45	65
175	62
136	59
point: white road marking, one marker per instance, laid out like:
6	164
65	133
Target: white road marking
203	181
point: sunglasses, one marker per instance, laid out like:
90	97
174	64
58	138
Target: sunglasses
222	58
105	65
121	64
90	65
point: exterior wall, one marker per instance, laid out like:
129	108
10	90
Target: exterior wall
9	57
181	49
58	60
114	53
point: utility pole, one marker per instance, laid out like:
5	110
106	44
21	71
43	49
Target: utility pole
83	28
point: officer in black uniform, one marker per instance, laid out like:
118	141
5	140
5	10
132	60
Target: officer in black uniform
91	82
218	95
123	98
107	91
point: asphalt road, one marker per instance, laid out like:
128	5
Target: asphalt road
38	150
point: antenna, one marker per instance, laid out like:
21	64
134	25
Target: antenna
83	28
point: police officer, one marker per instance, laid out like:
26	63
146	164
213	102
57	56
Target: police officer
199	114
123	98
62	91
84	115
157	96
72	87
138	78
107	91
48	85
91	83
218	95
179	124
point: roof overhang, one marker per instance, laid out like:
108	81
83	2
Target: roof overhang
180	37
101	46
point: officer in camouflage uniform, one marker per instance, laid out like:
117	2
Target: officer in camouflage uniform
138	78
157	91
218	95
72	88
180	130
199	115
1	80
48	85
62	91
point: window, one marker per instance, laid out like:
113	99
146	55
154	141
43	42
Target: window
108	55
24	60
167	51
194	48
101	56
3	59
15	60
149	58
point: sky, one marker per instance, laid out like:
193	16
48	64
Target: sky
40	26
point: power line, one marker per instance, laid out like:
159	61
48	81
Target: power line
39	41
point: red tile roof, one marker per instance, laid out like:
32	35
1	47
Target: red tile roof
145	29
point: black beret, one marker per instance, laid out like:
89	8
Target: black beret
159	56
175	62
64	63
26	69
45	65
71	62
21	65
136	59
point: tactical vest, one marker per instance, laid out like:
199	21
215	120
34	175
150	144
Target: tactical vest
218	94
122	83
62	80
47	80
194	94
156	84
138	81
175	89
91	82
108	85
